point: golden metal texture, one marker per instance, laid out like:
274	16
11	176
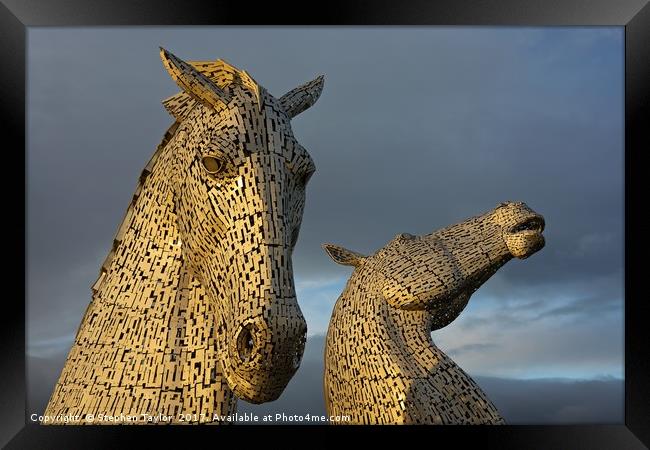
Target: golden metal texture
195	304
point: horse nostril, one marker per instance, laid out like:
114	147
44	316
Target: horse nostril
298	352
246	342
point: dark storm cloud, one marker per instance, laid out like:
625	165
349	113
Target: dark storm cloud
556	401
593	305
541	306
471	348
416	129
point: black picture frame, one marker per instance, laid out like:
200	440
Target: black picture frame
17	15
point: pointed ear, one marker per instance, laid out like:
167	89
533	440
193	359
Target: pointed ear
343	256
299	99
193	82
179	105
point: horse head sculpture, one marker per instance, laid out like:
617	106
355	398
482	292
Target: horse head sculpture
381	365
195	304
239	192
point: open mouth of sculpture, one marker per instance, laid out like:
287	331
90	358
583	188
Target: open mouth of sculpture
534	224
525	238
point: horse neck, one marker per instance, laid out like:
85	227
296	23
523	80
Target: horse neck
363	315
146	254
167	312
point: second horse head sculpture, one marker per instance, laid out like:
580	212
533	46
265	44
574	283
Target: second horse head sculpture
381	365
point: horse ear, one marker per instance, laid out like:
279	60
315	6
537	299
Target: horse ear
299	99
179	105
193	82
343	256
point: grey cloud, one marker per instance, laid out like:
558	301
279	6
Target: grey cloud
557	401
590	306
526	312
497	319
556	346
471	348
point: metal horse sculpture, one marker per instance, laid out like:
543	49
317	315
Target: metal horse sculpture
195	304
381	366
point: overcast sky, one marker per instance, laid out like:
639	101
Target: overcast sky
417	128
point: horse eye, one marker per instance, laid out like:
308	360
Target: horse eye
212	164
